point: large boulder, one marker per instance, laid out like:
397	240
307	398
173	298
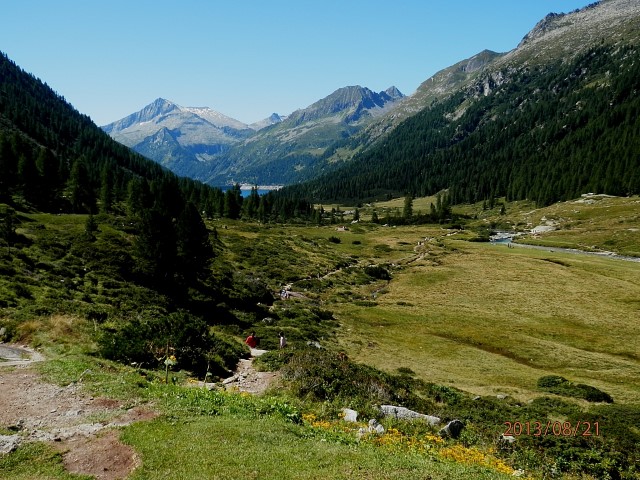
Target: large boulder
403	413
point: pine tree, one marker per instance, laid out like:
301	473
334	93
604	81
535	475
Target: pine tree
407	211
80	192
8	166
48	168
155	248
193	246
106	189
231	205
8	223
28	178
90	228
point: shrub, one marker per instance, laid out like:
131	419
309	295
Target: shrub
272	361
562	386
185	336
334	239
378	272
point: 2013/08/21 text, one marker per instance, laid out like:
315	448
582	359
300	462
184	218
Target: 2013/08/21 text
565	429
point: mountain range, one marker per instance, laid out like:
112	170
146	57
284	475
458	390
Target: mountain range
556	117
204	144
349	123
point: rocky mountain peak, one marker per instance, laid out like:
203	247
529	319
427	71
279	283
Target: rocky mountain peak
394	93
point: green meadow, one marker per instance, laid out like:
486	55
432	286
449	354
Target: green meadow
421	315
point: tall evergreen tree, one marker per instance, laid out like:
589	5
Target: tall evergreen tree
107	192
407	211
48	168
8	223
80	192
28	177
155	248
193	246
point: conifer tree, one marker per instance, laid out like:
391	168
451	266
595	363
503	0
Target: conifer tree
106	189
407	211
80	192
193	246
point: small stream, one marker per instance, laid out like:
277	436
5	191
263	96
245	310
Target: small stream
507	238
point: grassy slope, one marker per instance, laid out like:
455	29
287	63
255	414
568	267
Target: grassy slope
232	448
494	320
483	318
486	318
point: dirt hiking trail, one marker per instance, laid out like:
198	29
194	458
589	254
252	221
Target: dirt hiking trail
80	426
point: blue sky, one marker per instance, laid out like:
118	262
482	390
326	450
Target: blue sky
250	58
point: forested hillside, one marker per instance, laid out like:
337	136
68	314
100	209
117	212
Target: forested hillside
90	228
547	132
54	159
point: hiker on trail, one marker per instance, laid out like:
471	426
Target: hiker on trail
252	340
283	341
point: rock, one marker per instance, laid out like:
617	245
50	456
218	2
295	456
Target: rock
19	425
403	413
314	344
375	427
8	443
506	439
501	397
350	415
229	380
452	429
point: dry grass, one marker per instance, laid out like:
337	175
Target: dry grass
493	320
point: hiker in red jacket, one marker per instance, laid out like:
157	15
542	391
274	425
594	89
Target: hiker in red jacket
252	340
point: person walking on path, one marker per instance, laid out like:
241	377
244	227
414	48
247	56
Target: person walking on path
283	340
252	340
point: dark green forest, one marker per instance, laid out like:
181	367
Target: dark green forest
545	133
54	159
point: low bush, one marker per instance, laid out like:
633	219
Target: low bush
378	272
562	386
186	337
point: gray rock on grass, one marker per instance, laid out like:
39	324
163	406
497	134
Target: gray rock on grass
403	413
8	443
452	429
350	415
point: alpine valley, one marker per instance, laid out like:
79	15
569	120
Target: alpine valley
455	272
555	100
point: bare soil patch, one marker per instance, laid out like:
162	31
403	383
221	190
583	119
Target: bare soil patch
84	428
103	456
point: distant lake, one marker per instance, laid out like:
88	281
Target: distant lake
246	191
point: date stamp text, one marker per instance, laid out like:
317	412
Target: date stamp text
559	429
